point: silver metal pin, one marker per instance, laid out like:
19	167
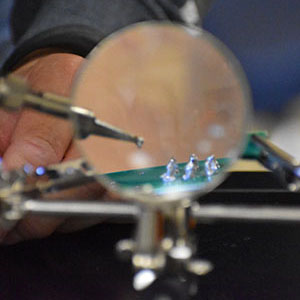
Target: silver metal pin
172	171
191	167
211	165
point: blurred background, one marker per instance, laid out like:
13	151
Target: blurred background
265	37
5	42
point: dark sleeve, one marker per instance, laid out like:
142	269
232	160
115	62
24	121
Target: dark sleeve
78	25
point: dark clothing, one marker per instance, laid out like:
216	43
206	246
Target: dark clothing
264	35
78	25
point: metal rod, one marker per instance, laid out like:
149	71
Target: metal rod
268	147
81	208
283	165
246	213
132	211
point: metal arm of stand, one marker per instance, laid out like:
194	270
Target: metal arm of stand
132	211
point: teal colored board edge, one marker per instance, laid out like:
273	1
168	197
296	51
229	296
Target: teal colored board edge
139	177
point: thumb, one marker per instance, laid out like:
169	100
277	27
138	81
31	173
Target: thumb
38	140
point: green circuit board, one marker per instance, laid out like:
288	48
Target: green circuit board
139	177
152	176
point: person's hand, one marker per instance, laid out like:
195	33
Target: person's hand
39	139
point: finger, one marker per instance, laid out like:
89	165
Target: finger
38	140
36	226
41	139
32	227
39	227
75	224
8	122
53	73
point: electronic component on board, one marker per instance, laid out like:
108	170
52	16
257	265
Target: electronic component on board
171	171
191	167
211	166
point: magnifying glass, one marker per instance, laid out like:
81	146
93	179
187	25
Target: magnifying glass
182	91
